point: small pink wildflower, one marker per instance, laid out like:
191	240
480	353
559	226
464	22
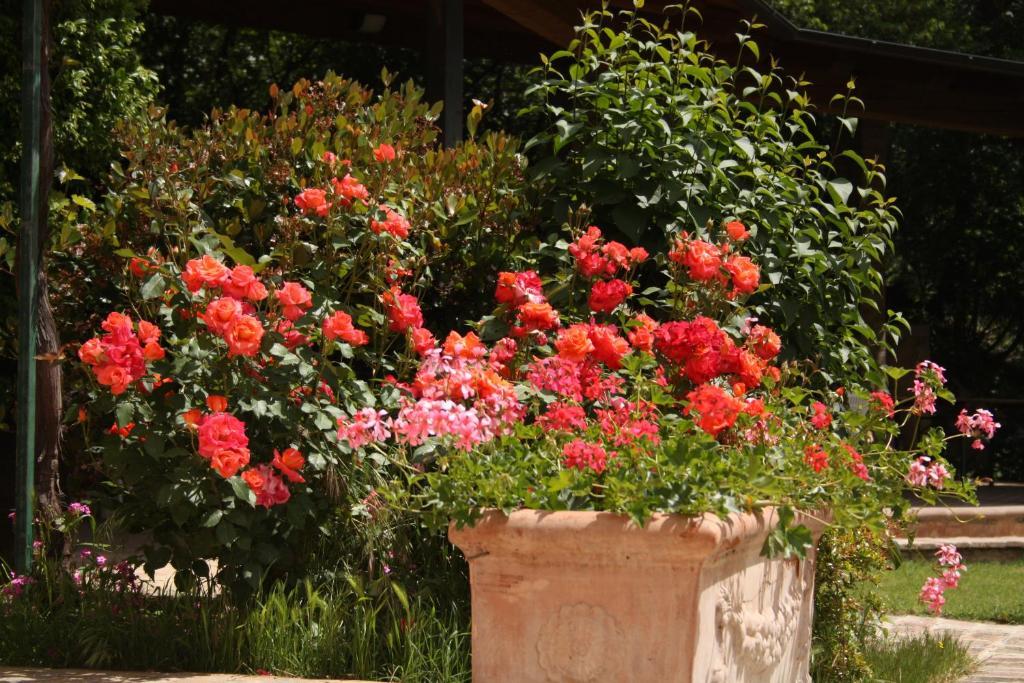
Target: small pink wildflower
923	473
932	594
928	377
949	556
79	509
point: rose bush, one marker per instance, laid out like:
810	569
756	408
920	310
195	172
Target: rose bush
261	276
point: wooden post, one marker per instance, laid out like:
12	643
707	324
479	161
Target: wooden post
28	275
444	54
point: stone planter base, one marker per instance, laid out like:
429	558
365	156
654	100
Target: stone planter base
575	597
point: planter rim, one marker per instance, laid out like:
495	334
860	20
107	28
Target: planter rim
566	534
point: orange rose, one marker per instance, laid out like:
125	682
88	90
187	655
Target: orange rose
206	271
113	376
243	285
227	461
574	343
338	325
289	462
255	480
220	313
642	335
153	351
538	316
192	417
148	332
737	231
745	274
313	201
91	352
217	404
422	340
294	299
609	347
384	152
244	336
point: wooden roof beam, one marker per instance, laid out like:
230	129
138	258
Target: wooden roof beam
550	19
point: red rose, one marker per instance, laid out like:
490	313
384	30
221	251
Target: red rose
605	297
403	310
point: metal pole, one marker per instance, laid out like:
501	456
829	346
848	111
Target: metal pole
28	277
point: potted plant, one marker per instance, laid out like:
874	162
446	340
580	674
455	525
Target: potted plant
635	479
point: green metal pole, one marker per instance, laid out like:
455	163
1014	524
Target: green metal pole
28	277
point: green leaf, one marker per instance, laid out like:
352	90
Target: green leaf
153	287
746	147
124	413
212	519
84	202
242	490
840	189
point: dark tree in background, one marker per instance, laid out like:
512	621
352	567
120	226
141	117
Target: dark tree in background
959	250
202	66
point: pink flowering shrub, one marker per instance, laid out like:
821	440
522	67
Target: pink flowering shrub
638	383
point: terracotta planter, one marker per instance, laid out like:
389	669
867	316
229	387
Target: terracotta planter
573	597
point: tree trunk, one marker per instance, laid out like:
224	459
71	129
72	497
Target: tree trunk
49	408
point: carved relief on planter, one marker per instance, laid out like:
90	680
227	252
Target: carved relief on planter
577	643
756	629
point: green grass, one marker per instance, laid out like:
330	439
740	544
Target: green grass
923	659
989	591
346	629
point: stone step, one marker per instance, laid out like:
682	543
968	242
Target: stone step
973	548
993	521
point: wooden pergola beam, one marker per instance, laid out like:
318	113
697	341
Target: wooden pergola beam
549	19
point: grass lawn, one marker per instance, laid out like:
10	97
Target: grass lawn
924	659
989	591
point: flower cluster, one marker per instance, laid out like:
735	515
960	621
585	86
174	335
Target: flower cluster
928	379
951	565
118	358
224	443
580	455
343	192
980	425
924	472
701	351
596	258
458	393
713	264
316	201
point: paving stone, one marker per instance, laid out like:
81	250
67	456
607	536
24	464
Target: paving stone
32	675
999	648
